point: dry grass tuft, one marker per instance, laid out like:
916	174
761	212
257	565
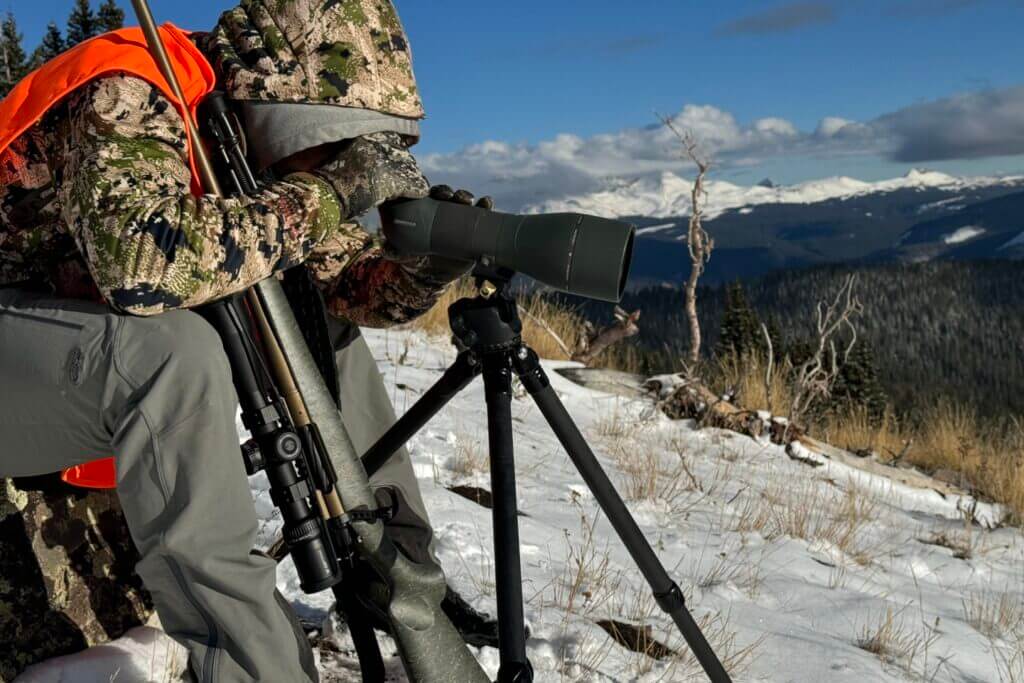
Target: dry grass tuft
895	643
812	512
995	614
469	457
615	427
746	378
589	580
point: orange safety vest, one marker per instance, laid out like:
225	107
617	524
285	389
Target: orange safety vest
124	51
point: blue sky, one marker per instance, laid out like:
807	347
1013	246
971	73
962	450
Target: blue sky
522	73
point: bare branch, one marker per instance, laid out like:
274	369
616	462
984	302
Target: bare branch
771	364
547	328
698	241
816	377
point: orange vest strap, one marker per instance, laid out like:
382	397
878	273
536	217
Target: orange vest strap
122	51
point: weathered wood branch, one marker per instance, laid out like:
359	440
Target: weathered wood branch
594	342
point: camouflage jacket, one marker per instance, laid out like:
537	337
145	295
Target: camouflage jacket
96	197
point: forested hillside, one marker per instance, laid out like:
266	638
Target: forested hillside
940	329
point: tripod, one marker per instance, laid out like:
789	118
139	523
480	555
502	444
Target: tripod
488	332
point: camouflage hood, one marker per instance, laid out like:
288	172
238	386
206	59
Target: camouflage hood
348	53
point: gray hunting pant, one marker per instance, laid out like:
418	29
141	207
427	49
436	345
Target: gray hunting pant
79	382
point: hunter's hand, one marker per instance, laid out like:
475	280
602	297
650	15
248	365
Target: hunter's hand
444	193
373	169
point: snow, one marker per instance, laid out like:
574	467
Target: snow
963	234
787	565
667	195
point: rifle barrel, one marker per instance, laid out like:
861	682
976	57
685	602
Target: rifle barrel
156	47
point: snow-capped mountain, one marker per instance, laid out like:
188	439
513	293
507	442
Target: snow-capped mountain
921	215
669	195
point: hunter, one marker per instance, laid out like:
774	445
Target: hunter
106	243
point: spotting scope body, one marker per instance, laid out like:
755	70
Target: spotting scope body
570	252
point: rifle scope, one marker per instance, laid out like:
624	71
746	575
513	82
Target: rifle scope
570	252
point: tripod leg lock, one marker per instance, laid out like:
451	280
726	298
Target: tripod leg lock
528	368
671	600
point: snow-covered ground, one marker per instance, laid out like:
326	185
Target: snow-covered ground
668	195
798	573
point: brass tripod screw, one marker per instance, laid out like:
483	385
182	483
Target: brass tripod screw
488	289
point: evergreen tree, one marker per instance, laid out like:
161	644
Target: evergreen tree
13	61
82	24
741	328
858	384
51	46
110	16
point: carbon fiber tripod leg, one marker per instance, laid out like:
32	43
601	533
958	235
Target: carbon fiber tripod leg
666	592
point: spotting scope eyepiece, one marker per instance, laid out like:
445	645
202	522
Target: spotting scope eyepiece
570	252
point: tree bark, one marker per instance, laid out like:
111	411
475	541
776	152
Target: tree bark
67	572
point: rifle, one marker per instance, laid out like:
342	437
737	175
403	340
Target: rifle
318	480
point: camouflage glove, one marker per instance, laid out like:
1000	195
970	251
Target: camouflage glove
371	170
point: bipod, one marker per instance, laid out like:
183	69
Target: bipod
488	332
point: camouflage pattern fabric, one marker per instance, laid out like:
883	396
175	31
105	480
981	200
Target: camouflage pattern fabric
109	174
98	194
352	53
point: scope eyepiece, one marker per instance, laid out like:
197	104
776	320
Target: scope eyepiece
570	252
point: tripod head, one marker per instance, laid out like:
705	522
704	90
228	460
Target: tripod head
488	322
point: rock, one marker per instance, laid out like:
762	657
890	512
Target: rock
67	572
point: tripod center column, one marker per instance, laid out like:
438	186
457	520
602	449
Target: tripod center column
509	580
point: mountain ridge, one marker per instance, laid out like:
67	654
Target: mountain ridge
923	215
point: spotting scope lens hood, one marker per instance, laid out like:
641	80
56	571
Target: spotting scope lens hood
570	252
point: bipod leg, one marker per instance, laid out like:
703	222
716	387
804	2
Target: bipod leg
666	592
515	667
463	371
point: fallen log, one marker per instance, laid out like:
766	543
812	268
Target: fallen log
67	572
694	401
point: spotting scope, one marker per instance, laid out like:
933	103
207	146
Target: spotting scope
570	252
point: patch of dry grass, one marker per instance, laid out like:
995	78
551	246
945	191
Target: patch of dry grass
995	614
553	331
896	643
746	378
469	456
985	458
736	657
811	512
979	455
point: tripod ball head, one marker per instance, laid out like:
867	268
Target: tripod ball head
570	252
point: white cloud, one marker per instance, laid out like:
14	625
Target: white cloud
959	127
830	126
529	173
